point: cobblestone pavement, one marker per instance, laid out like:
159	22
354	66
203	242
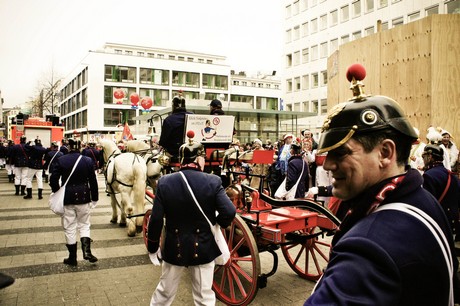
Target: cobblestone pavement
32	247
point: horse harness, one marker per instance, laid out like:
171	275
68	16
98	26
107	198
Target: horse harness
114	173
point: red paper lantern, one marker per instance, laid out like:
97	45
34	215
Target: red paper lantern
146	102
119	94
134	98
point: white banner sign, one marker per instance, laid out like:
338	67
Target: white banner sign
210	128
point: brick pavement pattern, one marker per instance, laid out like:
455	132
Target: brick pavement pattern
32	247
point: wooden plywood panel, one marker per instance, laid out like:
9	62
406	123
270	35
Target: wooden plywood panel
365	51
445	63
333	80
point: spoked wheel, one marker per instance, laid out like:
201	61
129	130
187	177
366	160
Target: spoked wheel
308	254
236	282
145	226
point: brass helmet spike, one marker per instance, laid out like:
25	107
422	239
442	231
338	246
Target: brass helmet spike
355	74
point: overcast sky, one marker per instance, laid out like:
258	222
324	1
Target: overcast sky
40	36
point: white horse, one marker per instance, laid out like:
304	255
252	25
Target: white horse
154	168
125	173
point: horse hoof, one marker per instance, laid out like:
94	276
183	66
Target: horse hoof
138	229
122	225
113	221
131	234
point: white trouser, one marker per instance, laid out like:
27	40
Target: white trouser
202	277
2	161
76	217
30	176
9	168
20	175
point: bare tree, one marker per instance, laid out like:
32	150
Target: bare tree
46	100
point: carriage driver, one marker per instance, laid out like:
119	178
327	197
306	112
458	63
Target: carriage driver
188	242
381	255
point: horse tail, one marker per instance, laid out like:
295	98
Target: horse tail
139	183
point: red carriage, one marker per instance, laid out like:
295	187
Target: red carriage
301	228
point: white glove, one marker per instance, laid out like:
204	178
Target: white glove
93	204
311	192
155	258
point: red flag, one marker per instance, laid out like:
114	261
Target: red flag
127	133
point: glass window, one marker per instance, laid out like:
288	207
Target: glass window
314	53
345	39
369	5
397	21
385	26
315	80
323	22
288	60
110	99
304	29
113	117
314	26
241	98
314	106
305	82
172	57
369	31
296	33
356	35
334	17
344	13
185	78
289	85
432	10
215	81
287	11
303	5
295	8
305	55
297	84
120	74
357	8
323	106
129	52
296	58
140	53
413	16
288	36
323	50
453	7
324	78
334	45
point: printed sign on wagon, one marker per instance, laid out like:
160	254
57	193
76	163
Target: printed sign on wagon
210	128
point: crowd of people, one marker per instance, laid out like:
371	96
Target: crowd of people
386	178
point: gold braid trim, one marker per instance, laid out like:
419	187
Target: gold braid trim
341	142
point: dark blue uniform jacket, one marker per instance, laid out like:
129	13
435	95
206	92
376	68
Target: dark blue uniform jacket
293	172
189	240
36	153
172	131
19	155
82	187
388	257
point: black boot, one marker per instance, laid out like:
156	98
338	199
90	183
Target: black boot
29	194
40	193
17	189
86	248
72	260
23	190
10	178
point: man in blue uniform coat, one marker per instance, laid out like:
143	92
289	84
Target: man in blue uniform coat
188	242
35	168
378	256
19	159
443	184
172	130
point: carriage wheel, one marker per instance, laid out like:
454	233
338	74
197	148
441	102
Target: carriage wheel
145	226
236	282
310	257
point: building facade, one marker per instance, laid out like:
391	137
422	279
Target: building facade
100	94
314	29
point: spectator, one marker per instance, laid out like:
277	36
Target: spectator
452	150
415	156
215	108
188	242
297	171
